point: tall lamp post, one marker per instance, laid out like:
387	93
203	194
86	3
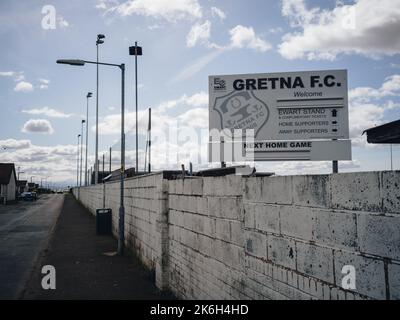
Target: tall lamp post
77	163
99	40
121	224
80	174
89	94
136	51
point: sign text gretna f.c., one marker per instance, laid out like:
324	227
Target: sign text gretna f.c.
285	83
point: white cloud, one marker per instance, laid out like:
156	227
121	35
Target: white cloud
216	12
195	118
275	30
37	126
49	112
16	75
154	27
196	100
367	107
56	162
367	27
170	10
44	83
6	73
62	22
19	76
245	37
14	144
390	87
198	33
240	37
161	115
23	86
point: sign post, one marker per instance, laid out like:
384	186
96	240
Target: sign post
293	115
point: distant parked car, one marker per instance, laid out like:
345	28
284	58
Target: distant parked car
34	195
27	196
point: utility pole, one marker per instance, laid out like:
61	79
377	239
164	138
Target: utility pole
103	168
110	159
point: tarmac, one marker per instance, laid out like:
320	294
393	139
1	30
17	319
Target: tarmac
87	266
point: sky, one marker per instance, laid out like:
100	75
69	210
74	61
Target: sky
184	41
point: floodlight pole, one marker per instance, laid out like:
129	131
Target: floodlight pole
80	174
100	40
149	140
136	108
77	163
136	51
87	136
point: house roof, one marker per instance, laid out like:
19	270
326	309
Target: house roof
21	183
6	169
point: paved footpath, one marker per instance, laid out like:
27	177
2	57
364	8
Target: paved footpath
83	271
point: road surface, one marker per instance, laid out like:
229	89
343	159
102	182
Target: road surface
25	228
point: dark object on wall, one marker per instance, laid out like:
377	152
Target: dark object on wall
103	221
385	134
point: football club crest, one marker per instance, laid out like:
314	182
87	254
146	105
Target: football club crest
242	110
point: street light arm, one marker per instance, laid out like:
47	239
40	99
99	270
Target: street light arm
104	64
78	62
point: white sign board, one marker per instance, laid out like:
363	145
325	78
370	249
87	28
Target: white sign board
300	106
282	106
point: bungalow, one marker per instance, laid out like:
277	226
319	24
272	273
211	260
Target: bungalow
22	186
8	182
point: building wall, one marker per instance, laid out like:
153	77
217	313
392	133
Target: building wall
285	237
11	189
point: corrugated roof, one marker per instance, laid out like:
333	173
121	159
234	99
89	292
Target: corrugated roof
386	133
22	183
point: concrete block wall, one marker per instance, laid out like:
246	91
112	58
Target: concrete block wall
300	231
146	211
206	251
280	237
